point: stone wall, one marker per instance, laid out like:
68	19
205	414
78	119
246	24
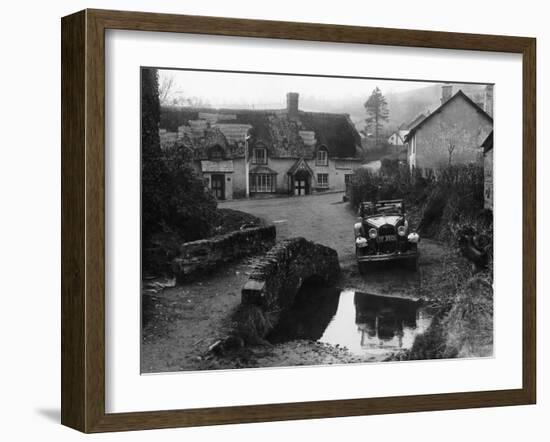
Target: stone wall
272	287
197	258
278	276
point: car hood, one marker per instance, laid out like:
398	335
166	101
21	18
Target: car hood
380	220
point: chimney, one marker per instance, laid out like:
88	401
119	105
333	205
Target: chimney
488	101
446	92
292	104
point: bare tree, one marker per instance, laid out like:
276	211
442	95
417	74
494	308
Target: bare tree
451	135
192	101
169	94
166	88
450	148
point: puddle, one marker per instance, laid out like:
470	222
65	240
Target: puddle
364	323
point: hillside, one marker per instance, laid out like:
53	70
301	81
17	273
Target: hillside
403	106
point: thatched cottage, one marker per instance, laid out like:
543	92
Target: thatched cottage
243	152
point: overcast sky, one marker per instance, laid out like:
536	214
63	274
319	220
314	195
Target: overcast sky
223	89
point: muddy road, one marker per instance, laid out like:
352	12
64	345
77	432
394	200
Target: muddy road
327	220
180	323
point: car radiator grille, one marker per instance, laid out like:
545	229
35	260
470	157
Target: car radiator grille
387	246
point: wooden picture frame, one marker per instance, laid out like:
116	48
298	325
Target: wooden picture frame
83	220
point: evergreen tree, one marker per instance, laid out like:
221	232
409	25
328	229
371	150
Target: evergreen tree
154	174
377	113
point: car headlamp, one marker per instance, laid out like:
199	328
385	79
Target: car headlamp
413	237
357	228
402	230
361	242
373	233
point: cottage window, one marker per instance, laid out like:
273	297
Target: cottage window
216	153
262	183
322	180
322	157
259	156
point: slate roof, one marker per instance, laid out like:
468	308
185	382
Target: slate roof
414	122
415	128
273	128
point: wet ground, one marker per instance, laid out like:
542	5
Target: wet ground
327	220
354	324
323	218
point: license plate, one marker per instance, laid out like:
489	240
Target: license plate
387	238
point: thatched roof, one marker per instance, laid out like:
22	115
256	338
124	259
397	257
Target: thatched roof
284	137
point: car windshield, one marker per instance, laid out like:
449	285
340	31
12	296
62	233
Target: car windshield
370	210
384	210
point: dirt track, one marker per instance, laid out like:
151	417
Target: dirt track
327	220
182	322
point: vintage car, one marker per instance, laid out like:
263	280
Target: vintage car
383	234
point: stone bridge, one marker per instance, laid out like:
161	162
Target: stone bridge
278	276
272	287
198	258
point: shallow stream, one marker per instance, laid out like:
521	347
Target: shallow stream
365	324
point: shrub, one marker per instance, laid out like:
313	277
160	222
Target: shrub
175	205
389	166
455	200
192	208
439	201
391	182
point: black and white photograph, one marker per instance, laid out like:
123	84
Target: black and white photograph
309	220
261	221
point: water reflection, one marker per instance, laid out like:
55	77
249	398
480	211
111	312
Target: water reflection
309	317
361	322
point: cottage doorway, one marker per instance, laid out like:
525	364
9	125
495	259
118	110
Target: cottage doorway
301	183
218	186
